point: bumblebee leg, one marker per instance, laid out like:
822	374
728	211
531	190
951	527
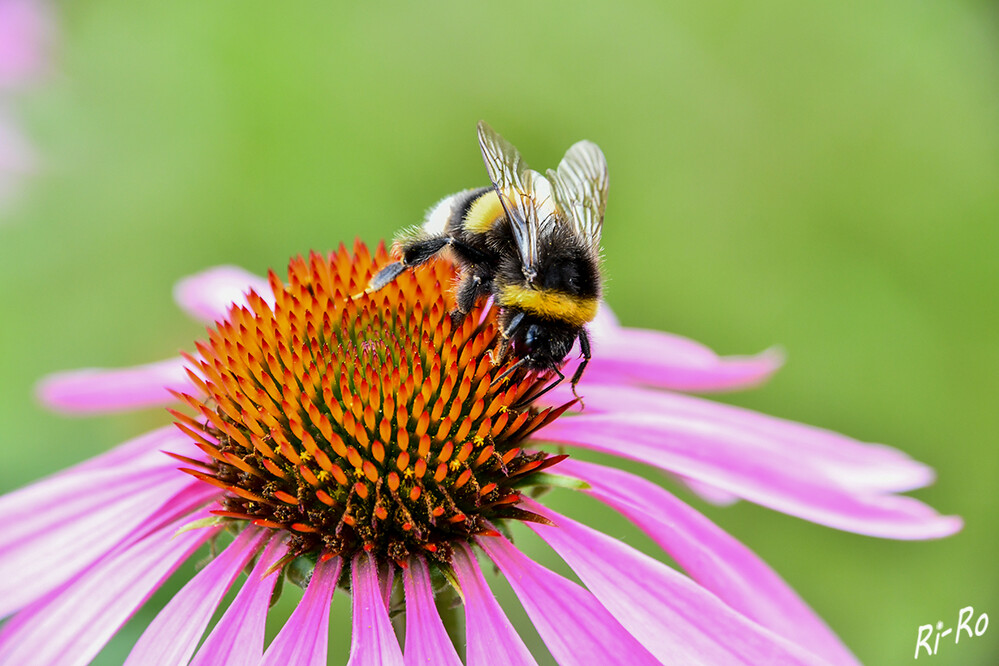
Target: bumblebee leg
469	289
527	399
508	324
499	355
413	254
515	322
506	373
417	252
385	275
468	253
584	347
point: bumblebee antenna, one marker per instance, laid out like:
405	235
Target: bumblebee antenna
509	370
527	399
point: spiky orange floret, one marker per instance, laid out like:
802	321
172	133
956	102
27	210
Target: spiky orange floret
362	423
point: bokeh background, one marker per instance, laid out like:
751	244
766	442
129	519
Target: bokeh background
820	176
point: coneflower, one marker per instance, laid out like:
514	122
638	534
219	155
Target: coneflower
365	444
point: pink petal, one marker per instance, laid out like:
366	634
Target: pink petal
88	480
208	295
303	638
103	390
67	542
175	632
373	641
572	623
238	638
26	35
492	640
427	641
387	583
145	450
632	355
730	460
196	495
710	494
604	325
711	557
56	527
856	464
674	618
72	624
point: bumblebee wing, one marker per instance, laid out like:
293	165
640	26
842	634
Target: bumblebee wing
520	190
580	187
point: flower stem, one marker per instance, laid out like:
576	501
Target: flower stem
449	608
397	612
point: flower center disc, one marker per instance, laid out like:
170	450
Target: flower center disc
368	423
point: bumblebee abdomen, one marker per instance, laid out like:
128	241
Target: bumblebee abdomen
483	213
451	214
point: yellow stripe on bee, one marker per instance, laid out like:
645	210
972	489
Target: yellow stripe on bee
572	310
484	213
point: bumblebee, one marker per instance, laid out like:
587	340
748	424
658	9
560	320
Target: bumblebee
531	241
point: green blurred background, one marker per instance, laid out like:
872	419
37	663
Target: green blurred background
823	177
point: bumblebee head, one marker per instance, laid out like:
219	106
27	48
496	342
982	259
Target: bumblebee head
544	343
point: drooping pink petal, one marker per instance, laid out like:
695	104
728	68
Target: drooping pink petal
492	640
712	557
73	623
874	467
373	641
93	390
207	295
64	542
143	451
238	638
604	325
74	498
58	526
709	493
175	632
91	480
387	583
728	459
653	358
192	497
427	641
676	619
577	629
303	640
